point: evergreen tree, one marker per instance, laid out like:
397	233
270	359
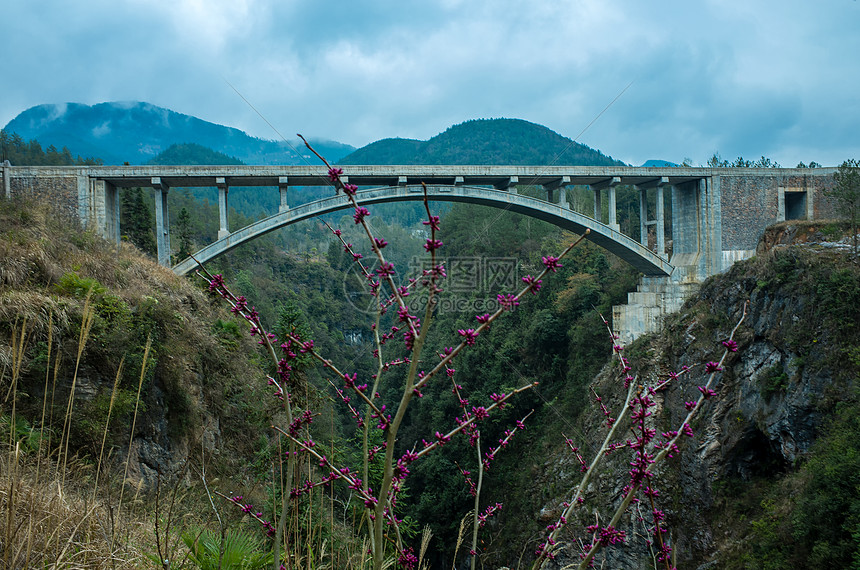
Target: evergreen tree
183	233
137	224
846	192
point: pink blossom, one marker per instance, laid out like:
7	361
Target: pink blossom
360	213
470	335
534	283
334	174
551	263
433	222
432	245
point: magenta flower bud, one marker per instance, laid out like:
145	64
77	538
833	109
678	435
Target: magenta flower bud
360	213
433	222
551	263
470	335
334	174
432	245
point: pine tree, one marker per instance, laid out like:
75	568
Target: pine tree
137	224
846	192
183	232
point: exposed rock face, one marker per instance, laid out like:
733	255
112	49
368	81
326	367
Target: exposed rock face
773	396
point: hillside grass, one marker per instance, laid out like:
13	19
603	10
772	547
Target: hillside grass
101	347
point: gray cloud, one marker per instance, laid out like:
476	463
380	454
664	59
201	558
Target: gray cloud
775	78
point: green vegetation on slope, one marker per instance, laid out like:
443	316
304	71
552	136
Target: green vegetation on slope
20	153
135	132
484	141
192	153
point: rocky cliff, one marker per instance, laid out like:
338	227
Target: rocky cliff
742	492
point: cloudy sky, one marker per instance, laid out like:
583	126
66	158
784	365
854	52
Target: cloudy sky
779	78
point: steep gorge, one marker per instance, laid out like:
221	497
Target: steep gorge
755	488
767	481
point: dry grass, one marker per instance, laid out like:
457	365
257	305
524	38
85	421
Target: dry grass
48	526
61	510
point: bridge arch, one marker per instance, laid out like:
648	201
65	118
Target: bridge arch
631	251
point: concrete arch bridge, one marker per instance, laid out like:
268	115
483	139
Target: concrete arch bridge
717	214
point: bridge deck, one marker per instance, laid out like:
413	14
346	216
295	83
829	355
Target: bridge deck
496	176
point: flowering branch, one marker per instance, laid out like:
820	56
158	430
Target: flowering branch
508	302
643	472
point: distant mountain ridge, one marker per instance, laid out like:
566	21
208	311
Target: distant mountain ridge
142	133
136	132
484	141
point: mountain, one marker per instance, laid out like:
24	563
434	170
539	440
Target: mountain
136	132
484	141
192	153
659	163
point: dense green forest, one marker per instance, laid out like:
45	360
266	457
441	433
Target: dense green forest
193	153
18	152
484	141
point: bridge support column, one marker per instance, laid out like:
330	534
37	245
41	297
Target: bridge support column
559	184
643	216
697	229
283	187
613	215
661	219
685	234
509	185
780	204
103	206
112	203
85	191
609	183
7	179
222	207
162	221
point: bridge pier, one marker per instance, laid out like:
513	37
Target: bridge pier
102	204
613	207
283	186
696	255
661	218
7	179
659	221
221	183
162	221
610	184
560	185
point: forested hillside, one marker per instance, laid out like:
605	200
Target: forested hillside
18	151
484	141
191	154
135	132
